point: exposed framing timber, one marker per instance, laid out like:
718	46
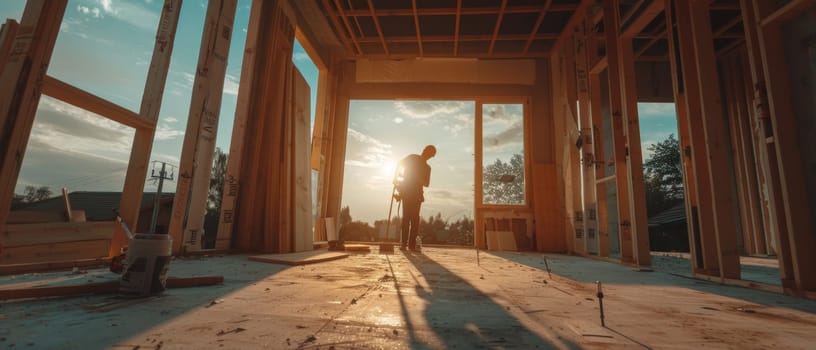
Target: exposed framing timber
462	10
344	18
537	25
456	28
416	25
77	97
453	38
189	204
7	34
379	29
239	131
20	81
611	26
652	41
786	12
336	25
652	10
496	27
577	16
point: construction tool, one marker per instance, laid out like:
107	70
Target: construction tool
117	262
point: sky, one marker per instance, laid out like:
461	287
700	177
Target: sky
105	47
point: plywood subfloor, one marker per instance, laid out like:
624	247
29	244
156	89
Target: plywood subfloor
300	258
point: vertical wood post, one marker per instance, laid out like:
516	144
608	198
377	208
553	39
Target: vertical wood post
130	203
189	204
20	82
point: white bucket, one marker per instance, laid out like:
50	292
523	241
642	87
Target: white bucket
146	262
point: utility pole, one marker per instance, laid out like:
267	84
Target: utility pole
157	198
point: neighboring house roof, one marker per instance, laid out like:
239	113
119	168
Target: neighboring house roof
672	215
98	206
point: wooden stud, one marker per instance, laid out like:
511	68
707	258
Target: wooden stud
611	26
66	202
589	206
577	16
232	183
702	242
335	24
652	10
350	31
189	204
599	164
20	82
797	241
716	135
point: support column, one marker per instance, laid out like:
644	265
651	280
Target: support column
716	139
612	28
189	205
130	203
798	241
703	241
586	163
20	82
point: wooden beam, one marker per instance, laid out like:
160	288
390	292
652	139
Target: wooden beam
20	81
790	10
416	25
335	24
186	223
539	20
350	31
599	163
453	38
7	34
229	199
130	203
463	11
380	33
357	20
101	288
652	10
496	27
727	26
66	203
651	42
577	16
456	28
20	235
77	97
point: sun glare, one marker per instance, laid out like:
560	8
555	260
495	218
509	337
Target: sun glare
388	167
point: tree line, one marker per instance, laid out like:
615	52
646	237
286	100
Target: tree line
433	229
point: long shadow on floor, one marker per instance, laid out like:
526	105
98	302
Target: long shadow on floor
588	270
464	317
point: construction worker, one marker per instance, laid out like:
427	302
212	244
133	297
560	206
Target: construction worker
414	173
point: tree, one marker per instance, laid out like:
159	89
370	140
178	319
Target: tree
33	194
504	182
345	215
217	175
357	231
664	167
662	176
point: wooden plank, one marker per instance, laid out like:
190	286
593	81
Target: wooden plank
67	93
539	20
797	237
380	33
20	82
56	232
239	130
31	217
301	258
15	269
611	23
7	34
301	204
495	28
716	137
55	252
189	204
577	16
130	203
587	151
101	288
66	202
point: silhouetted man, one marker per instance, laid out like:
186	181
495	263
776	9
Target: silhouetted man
415	174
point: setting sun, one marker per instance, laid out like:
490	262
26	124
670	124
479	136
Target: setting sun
388	167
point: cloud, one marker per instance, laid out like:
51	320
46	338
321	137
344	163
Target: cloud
231	85
126	11
656	110
365	151
428	109
460	122
510	136
171	119
398	120
165	132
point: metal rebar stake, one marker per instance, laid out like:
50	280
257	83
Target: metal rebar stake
600	302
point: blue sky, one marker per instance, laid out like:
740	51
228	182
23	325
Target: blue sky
105	46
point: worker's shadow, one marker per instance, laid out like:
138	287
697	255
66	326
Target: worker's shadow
462	316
